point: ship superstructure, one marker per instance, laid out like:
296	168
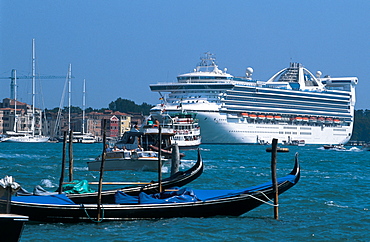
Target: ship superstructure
293	104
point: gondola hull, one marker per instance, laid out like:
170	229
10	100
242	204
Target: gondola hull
233	205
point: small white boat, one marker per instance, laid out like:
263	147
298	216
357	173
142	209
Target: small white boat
334	147
24	137
295	143
84	138
128	160
88	140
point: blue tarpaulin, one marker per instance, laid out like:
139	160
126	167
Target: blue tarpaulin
60	199
189	195
182	195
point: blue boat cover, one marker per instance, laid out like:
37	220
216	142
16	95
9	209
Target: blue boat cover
60	199
123	198
178	196
189	195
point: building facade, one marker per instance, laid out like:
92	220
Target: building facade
17	116
53	123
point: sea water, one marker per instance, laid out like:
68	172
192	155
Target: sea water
331	202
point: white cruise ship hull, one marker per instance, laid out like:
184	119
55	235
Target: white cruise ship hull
293	104
216	128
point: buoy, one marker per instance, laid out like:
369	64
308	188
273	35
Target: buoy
281	150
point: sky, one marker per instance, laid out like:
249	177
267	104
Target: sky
121	47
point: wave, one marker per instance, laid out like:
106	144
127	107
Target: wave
332	203
48	183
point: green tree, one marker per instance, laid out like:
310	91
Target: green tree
73	109
126	106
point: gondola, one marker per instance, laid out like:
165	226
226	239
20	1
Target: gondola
182	203
178	179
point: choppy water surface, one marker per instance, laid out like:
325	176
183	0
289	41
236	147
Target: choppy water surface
330	203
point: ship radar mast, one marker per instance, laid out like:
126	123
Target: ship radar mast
207	62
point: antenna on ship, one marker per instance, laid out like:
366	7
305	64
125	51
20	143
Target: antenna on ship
249	72
318	74
207	61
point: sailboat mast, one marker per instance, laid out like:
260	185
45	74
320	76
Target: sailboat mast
69	96
14	77
33	86
83	107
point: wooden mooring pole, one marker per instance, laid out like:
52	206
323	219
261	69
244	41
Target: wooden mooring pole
274	179
175	159
60	189
160	158
70	155
100	188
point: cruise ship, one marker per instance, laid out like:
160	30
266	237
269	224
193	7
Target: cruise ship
293	104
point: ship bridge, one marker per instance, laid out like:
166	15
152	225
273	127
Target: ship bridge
206	71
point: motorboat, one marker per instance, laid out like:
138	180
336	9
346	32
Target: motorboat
136	160
334	147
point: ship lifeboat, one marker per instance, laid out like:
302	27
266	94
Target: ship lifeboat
313	119
321	120
298	119
270	117
182	120
305	119
245	115
261	116
337	121
252	116
278	118
329	120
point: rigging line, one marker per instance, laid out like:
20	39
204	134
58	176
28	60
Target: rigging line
258	199
93	220
57	123
43	109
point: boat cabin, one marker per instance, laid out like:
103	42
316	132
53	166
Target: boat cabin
146	139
